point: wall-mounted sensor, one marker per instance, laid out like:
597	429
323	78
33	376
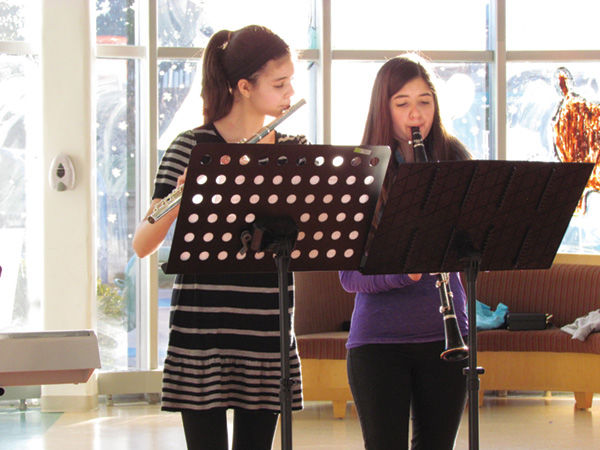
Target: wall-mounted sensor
62	173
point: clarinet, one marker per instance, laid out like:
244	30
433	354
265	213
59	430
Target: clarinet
174	198
454	348
418	146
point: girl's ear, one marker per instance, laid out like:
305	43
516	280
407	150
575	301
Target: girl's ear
244	86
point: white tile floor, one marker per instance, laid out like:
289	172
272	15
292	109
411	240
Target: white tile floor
514	422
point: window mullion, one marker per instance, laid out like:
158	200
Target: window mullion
498	84
153	164
147	340
325	62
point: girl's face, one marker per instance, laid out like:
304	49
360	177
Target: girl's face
412	106
271	92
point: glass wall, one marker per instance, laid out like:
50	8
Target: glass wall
20	168
180	25
117	152
534	98
360	37
460	38
550	25
183	23
179	109
534	95
424	25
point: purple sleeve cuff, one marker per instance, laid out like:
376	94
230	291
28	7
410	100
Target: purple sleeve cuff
353	281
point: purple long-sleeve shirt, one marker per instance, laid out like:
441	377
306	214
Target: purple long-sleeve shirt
394	309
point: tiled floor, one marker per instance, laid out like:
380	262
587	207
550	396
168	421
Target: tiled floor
515	422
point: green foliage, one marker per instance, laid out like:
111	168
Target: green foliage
110	303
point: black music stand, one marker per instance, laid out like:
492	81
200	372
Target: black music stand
310	206
472	216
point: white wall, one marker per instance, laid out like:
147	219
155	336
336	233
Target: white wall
69	217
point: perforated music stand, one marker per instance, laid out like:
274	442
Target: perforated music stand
472	216
256	208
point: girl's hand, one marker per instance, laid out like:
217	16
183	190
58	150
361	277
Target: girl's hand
181	178
414	276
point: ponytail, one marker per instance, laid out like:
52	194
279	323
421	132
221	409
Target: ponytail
216	91
233	56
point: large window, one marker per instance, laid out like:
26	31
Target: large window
566	37
20	167
498	92
533	99
148	91
424	25
121	146
550	25
118	153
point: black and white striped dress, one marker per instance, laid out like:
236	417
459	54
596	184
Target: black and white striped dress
224	337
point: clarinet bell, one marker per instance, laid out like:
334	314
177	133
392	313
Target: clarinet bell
455	349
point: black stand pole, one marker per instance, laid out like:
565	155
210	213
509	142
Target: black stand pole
282	260
277	235
472	372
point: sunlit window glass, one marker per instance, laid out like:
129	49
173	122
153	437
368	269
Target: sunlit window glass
552	24
116	22
533	98
20	194
20	20
350	105
462	91
179	101
21	173
179	109
180	104
422	25
185	23
116	152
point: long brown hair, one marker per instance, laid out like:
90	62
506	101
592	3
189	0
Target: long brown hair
231	56
392	77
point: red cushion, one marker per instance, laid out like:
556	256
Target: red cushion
567	291
549	340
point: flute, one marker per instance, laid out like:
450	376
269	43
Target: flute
174	198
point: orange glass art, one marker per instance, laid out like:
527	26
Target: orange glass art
576	133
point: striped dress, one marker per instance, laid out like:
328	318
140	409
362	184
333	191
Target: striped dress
224	349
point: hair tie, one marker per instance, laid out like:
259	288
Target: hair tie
226	43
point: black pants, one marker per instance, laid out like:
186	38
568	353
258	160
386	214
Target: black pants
391	381
207	430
